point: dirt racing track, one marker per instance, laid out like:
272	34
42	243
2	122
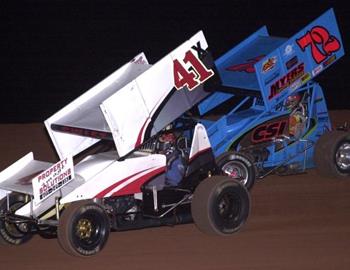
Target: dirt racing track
296	222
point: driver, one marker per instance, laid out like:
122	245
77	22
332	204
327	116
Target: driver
175	165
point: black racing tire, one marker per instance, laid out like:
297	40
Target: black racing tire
239	166
11	233
83	229
332	154
220	205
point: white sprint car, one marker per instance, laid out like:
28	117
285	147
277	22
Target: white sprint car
127	161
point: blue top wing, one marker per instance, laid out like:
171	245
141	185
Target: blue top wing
278	66
236	67
299	59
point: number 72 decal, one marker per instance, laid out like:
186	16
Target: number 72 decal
319	35
192	77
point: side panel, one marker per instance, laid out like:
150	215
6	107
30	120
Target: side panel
300	59
120	178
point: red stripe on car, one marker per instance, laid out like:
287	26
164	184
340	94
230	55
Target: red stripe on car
135	186
110	188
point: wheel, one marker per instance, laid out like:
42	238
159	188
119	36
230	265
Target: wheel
238	166
83	229
332	154
220	205
11	233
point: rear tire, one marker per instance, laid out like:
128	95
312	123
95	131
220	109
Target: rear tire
238	166
332	154
11	233
220	205
83	229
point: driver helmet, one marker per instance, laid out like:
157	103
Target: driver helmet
293	100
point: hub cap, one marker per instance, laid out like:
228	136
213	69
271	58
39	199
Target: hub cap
84	229
236	170
342	156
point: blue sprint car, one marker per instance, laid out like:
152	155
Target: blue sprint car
268	115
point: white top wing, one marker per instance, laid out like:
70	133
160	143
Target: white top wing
130	111
83	117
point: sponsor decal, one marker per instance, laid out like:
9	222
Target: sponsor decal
282	83
321	42
52	179
269	64
288	50
196	73
295	85
273	77
247	67
306	77
329	61
268	131
292	62
317	70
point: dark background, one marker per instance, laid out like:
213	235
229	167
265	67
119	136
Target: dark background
53	51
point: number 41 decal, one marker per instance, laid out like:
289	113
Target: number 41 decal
193	77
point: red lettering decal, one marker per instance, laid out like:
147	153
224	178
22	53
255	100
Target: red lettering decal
182	77
198	66
246	67
319	36
286	81
268	131
198	72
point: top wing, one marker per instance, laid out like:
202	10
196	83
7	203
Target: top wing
159	95
274	67
81	123
18	177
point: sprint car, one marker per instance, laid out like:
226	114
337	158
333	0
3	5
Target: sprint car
127	161
144	157
268	115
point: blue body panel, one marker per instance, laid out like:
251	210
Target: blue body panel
226	133
275	68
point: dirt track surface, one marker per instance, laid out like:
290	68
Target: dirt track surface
296	222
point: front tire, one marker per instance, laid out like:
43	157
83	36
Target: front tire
83	229
238	166
332	154
11	233
220	205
